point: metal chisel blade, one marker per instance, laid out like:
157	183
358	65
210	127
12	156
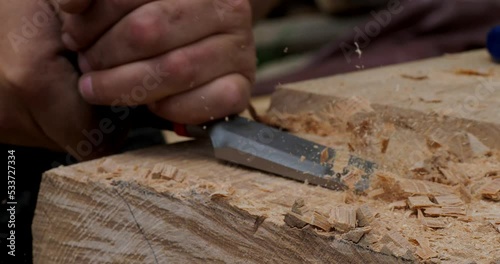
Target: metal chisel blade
255	145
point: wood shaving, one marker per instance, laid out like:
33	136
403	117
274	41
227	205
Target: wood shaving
471	72
343	218
492	190
417	202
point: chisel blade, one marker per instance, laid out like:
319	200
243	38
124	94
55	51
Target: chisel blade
255	145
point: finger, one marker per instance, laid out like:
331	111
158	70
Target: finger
180	70
151	30
81	30
225	96
74	6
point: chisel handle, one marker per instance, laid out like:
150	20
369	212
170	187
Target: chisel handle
141	117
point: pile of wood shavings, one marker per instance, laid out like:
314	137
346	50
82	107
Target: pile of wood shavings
440	209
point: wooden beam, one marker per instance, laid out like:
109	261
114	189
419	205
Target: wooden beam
195	210
177	203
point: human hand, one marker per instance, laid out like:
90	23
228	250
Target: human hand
189	61
39	101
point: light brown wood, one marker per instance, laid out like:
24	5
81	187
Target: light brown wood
178	204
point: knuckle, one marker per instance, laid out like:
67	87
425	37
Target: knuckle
241	14
178	64
146	28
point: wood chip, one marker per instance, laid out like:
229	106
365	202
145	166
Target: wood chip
465	194
398	239
355	235
495	225
455	211
384	145
477	147
452	177
418	187
414	77
375	193
108	166
472	72
424	250
449	200
343	218
492	190
398	205
404	188
393	250
320	221
352	177
435	223
298	206
365	215
415	202
294	220
324	155
395	244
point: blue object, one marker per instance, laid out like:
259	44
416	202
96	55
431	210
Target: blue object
493	43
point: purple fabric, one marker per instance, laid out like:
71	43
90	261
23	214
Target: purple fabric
416	30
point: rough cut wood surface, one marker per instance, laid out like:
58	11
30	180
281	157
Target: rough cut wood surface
177	204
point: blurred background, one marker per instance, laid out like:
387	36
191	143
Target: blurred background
303	39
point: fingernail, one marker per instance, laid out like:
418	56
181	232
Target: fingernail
85	87
83	63
69	42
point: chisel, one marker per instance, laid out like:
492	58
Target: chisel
254	145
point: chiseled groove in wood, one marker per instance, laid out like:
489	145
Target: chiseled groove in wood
224	214
427	123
